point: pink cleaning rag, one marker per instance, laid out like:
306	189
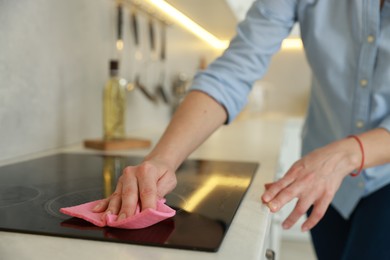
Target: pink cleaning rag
140	219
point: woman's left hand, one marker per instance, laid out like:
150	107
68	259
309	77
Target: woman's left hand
313	180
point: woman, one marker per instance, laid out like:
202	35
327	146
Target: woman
347	43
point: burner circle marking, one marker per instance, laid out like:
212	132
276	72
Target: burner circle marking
12	195
54	205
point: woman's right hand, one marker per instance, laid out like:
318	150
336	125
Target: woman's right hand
197	117
144	184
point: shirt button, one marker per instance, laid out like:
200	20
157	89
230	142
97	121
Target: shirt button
361	184
363	83
359	124
370	39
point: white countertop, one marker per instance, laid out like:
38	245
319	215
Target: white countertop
253	140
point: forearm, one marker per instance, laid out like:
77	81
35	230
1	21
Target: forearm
196	119
376	144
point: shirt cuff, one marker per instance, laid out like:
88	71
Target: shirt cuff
230	98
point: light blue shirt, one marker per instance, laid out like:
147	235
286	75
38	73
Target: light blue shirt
347	44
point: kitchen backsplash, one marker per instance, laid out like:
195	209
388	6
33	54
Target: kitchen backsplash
53	66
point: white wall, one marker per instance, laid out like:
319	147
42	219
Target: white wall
284	90
287	84
53	66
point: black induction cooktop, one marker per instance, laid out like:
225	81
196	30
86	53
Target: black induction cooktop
206	198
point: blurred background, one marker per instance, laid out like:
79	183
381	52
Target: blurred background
54	58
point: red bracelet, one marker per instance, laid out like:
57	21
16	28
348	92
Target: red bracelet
358	171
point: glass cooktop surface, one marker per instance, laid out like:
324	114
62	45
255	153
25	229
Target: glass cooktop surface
206	199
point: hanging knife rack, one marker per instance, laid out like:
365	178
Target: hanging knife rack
140	6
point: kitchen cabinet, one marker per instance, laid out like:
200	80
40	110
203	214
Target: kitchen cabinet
215	16
290	152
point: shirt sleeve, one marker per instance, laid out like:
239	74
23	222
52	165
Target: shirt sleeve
385	123
229	78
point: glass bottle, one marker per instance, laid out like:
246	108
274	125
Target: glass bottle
114	105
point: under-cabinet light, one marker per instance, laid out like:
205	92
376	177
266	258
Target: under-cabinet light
188	24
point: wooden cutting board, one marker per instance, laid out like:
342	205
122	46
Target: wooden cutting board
123	144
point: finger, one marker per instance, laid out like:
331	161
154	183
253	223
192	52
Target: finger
295	187
129	196
115	200
286	194
281	184
101	206
276	187
283	197
267	185
300	209
147	186
318	212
